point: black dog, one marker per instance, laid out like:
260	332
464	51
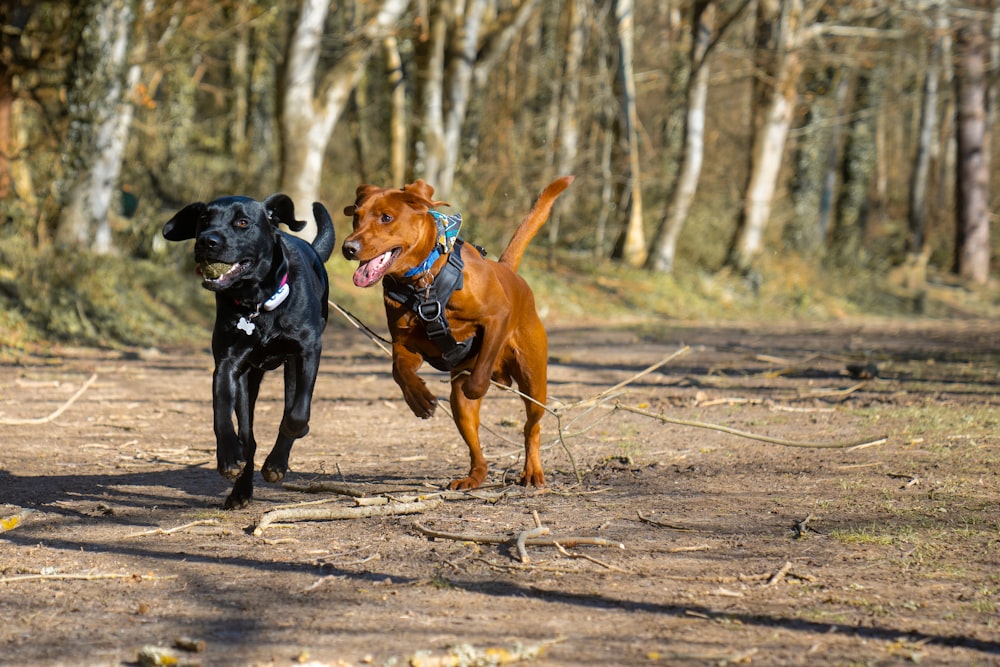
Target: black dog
271	293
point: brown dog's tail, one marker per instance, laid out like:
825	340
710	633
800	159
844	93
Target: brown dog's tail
532	222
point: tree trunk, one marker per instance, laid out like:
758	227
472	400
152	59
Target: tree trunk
770	136
457	58
917	214
569	129
397	114
102	114
972	248
308	115
664	245
857	173
632	243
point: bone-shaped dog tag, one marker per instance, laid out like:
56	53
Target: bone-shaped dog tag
246	326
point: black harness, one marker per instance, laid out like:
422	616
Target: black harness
429	305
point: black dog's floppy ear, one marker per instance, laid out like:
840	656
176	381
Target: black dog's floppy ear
281	209
184	224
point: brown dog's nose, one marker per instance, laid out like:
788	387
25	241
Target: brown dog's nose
351	249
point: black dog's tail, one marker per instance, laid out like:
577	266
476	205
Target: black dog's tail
326	237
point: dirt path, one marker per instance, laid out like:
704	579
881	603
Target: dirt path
734	550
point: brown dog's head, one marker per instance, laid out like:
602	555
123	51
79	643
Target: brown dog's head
393	230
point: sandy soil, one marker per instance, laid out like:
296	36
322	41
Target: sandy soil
734	550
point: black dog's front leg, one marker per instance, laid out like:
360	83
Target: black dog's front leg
229	454
300	380
248	388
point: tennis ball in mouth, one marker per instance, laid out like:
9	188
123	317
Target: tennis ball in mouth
215	270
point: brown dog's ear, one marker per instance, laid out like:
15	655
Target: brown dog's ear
184	225
420	193
349	210
281	209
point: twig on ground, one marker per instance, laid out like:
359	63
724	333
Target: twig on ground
337	513
177	529
54	415
324	487
624	383
868	442
80	577
524	536
661	524
589	558
530	541
834	393
466	654
779	576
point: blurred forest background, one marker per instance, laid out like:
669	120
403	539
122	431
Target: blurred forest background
734	158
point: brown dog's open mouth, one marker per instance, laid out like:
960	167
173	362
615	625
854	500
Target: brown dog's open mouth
372	270
220	275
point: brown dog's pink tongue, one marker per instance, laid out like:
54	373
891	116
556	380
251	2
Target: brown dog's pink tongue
371	272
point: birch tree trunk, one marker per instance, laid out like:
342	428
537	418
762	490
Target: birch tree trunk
460	52
664	246
569	129
632	243
972	248
917	214
102	114
769	138
397	114
310	108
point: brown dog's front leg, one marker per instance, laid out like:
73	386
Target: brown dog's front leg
415	392
466	413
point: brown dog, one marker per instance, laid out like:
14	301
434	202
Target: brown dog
459	312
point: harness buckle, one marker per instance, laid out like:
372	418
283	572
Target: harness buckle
429	311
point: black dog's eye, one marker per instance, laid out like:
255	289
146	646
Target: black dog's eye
386	218
241	223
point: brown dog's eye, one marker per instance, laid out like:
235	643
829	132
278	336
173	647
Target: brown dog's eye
386	218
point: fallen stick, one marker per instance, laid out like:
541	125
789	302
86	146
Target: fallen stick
59	411
596	561
753	436
324	487
171	531
79	577
779	575
337	513
661	524
530	541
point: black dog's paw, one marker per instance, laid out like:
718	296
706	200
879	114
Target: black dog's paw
237	500
232	470
273	471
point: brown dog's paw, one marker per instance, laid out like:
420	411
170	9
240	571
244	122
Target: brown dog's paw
422	403
534	478
464	484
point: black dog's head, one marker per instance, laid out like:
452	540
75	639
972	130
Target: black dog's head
235	237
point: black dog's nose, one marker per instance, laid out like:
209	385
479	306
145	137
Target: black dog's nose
208	242
351	249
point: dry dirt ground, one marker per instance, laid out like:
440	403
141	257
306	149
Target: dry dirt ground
735	550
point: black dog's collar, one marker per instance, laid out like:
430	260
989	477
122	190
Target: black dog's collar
246	324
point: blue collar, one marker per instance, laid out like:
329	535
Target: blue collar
447	232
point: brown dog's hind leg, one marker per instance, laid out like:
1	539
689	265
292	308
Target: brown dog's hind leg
531	377
466	413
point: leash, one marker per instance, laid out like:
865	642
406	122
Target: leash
362	327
